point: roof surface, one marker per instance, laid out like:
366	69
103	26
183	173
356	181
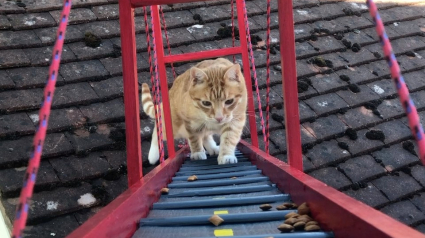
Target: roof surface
354	132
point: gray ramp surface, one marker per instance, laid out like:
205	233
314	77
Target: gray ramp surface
234	192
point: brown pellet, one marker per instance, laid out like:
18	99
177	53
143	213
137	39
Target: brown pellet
192	178
303	209
299	225
304	218
282	207
265	207
311	223
288	205
285	228
291	221
312	228
291	214
165	190
216	220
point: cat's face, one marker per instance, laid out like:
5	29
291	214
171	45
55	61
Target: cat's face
217	92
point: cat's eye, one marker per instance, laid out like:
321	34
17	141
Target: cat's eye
228	102
206	103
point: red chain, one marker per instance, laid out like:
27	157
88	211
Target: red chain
266	147
158	98
40	136
155	92
168	41
251	52
403	91
233	27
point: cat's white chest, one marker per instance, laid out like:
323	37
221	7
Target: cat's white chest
181	133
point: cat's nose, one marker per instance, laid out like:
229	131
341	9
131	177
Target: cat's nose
219	119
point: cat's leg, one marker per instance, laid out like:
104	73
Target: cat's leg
154	150
196	148
230	136
210	145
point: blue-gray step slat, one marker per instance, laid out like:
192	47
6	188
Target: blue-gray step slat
215	156
191	203
219	175
203	219
217	182
271	192
318	234
215	171
213	161
211	210
216	179
237	153
222	191
257	229
214	166
180	190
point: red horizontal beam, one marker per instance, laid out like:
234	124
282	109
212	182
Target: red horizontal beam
142	3
120	217
335	211
202	55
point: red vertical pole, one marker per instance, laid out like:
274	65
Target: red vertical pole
247	73
131	93
163	81
290	89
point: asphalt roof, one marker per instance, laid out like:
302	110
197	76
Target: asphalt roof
354	131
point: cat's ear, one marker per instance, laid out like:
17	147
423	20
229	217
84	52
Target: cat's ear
197	76
232	73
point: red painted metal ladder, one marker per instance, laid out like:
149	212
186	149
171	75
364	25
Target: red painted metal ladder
343	215
119	218
131	93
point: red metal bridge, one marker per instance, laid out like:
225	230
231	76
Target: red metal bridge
141	211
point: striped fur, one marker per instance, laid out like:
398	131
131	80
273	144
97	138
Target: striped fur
147	103
209	98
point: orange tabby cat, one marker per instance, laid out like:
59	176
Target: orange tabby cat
209	98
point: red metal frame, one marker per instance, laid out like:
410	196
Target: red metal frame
159	47
131	93
289	85
202	55
119	218
247	73
131	97
335	211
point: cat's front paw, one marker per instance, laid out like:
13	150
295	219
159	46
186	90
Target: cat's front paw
198	156
213	150
227	159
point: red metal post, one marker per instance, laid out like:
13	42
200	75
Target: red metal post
142	3
163	81
202	55
131	93
247	73
289	85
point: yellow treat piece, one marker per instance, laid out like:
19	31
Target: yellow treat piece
223	232
221	212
